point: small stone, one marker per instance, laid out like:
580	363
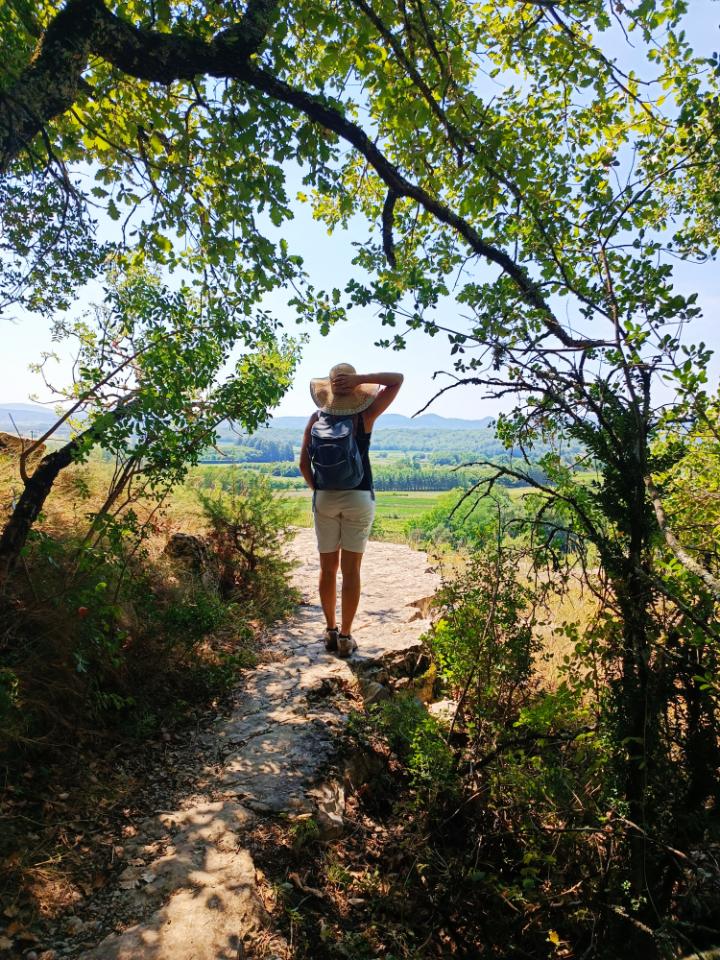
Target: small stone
443	711
374	692
330	807
73	926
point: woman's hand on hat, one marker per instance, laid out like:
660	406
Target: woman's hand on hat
345	382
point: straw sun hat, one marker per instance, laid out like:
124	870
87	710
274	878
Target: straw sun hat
342	404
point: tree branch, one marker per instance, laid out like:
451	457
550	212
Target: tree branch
387	227
689	562
53	82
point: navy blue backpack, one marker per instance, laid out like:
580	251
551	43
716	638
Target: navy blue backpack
334	454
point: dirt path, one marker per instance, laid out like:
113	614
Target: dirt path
192	891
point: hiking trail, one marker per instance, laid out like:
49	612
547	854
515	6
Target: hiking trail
196	896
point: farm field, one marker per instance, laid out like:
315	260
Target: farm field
394	509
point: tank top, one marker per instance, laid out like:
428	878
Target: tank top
363	441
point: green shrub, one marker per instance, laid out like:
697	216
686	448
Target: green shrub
458	520
379	531
101	636
189	618
418	740
249	527
484	643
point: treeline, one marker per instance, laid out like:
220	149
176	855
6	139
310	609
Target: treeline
401	476
255	449
448	446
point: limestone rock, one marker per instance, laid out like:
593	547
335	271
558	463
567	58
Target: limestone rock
330	808
213	900
443	711
195	553
363	766
374	692
195	885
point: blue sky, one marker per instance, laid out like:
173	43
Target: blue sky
327	260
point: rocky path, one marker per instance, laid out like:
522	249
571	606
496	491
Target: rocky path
197	898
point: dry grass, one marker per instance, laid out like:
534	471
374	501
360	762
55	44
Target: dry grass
575	605
571	603
80	490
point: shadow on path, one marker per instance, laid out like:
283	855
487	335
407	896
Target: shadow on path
201	897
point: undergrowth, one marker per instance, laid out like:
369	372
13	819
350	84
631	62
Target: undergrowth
108	643
498	829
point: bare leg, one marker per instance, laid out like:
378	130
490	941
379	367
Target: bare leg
329	563
350	563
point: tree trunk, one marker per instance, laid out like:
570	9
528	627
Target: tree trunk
15	534
638	714
637	720
31	502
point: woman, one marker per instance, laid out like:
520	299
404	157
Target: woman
343	518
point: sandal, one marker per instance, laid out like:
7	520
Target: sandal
346	645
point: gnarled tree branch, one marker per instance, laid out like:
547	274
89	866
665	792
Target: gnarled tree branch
53	81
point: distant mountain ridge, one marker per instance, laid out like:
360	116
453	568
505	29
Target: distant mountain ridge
31	418
397	421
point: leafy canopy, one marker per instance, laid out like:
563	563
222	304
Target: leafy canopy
503	131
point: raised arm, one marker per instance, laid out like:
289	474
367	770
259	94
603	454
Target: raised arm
390	383
305	468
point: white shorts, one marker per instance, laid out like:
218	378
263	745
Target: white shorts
343	519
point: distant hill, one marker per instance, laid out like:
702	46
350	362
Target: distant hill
442	440
396	421
33	419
